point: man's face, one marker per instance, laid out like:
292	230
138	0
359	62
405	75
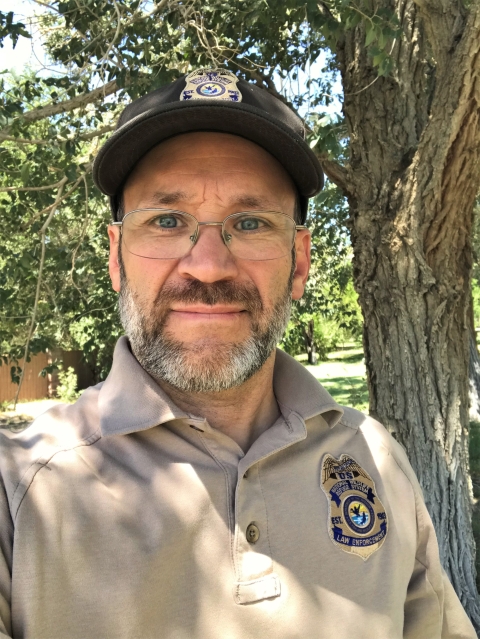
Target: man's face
207	321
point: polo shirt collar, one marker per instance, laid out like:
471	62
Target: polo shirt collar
130	400
297	390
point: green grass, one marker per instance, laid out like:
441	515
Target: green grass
343	375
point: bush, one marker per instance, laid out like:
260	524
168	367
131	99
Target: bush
67	387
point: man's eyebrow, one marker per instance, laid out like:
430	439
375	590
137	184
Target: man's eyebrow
253	202
168	197
248	202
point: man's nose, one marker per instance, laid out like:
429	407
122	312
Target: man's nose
209	260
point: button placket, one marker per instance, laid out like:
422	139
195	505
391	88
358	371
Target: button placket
255	577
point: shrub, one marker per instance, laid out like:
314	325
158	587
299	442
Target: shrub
67	387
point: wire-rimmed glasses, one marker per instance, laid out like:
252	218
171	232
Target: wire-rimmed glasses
170	234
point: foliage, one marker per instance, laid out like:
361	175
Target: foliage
11	29
102	55
476	265
474	451
67	387
329	301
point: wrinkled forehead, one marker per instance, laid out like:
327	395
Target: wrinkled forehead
209	164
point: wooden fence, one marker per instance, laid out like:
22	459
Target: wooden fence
35	386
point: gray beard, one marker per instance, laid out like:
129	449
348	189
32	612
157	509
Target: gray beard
206	366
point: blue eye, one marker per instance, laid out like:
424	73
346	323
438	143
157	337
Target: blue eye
167	222
249	224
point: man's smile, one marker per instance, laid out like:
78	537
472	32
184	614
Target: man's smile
203	312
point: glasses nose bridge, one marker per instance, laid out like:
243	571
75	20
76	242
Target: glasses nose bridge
222	233
210	223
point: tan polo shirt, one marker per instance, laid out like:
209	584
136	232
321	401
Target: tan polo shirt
123	517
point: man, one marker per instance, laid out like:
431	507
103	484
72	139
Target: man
210	488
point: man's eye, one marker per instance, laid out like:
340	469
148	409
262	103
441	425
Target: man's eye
249	224
166	222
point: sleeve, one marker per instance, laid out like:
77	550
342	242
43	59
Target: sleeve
432	608
6	545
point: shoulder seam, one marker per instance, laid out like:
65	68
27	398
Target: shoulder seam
348	424
42	462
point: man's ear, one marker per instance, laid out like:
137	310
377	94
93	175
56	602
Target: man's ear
302	251
113	262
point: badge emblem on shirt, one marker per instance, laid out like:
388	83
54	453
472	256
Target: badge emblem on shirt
216	84
358	521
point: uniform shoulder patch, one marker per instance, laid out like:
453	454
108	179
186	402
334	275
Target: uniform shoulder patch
357	518
214	84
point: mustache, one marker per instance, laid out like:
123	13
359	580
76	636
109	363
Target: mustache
221	292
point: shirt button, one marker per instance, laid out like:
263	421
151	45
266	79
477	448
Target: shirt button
253	533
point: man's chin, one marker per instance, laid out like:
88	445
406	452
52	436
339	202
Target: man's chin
206	366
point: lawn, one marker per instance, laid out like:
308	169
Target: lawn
343	375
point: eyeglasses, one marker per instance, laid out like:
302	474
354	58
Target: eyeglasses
163	234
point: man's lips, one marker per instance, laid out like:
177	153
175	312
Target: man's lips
205	312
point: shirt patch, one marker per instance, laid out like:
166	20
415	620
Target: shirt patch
216	84
358	521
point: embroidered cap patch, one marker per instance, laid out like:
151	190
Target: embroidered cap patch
216	84
358	521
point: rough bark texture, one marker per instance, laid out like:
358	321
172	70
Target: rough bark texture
411	182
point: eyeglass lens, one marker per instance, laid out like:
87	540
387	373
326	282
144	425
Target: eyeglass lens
165	234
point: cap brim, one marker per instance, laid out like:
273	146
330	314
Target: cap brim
136	137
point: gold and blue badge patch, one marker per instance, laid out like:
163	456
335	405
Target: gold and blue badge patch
216	84
358	521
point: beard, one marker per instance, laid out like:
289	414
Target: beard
205	366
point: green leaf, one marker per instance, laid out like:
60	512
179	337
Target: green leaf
25	173
370	35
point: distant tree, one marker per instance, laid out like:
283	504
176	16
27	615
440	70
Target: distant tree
328	310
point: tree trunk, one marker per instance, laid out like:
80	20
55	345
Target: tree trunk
411	183
309	336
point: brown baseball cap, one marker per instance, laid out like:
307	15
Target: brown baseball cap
208	100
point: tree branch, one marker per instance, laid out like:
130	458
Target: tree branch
336	173
97	133
63	197
84	136
31	329
4	189
450	145
68	105
444	23
12	138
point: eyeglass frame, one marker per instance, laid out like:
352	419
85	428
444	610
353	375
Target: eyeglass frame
298	227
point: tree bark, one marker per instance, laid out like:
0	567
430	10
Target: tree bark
413	175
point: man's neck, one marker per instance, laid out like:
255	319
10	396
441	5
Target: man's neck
243	413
